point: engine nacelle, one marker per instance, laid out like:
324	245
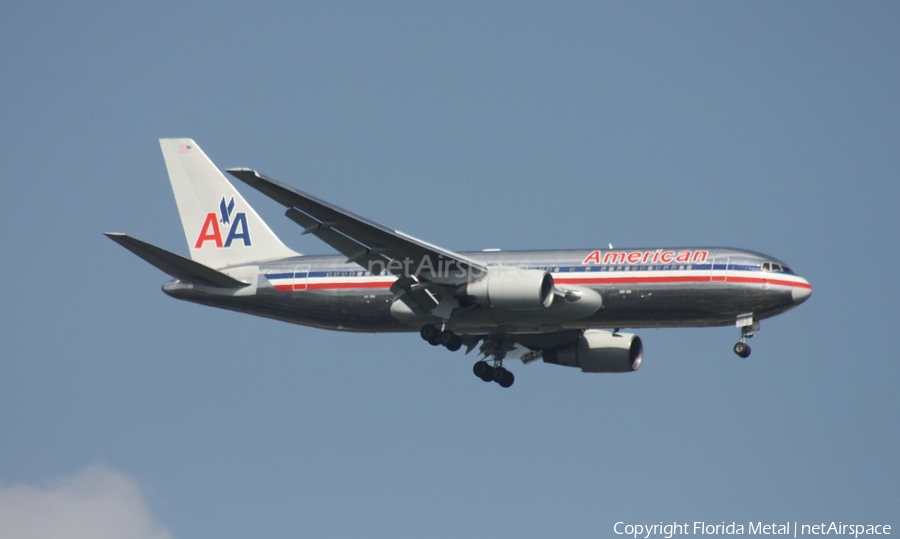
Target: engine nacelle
600	351
511	288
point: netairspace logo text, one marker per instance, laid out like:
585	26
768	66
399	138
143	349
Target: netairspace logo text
789	529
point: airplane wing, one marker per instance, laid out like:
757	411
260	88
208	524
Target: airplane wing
416	263
177	266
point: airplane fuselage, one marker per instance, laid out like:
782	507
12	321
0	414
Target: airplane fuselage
639	288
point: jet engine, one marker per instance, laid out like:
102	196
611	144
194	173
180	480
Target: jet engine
600	351
511	288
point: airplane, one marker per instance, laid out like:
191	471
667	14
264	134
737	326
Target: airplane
565	307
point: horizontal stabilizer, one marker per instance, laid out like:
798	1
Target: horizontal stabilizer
179	267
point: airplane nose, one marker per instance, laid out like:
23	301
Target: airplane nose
801	293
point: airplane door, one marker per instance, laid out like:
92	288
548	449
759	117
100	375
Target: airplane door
301	274
718	272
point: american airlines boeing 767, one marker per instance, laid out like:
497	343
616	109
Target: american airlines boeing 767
563	307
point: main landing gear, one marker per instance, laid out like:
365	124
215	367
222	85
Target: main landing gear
748	327
446	338
498	374
486	371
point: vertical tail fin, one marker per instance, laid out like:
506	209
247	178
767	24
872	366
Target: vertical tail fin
220	227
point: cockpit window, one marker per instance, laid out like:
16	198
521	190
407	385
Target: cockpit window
775	267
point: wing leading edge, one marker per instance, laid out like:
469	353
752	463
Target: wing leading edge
369	244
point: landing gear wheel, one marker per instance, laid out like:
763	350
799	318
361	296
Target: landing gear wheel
450	340
742	349
483	371
431	334
503	377
748	326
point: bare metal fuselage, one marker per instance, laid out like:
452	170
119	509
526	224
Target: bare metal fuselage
647	290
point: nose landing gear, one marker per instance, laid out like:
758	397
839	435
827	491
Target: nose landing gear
748	326
742	349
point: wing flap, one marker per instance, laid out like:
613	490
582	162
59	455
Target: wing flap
179	267
355	251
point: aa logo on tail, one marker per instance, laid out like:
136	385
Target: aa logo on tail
210	231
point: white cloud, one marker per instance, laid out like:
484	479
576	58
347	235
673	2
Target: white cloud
97	503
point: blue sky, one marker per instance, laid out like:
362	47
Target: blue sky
767	126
